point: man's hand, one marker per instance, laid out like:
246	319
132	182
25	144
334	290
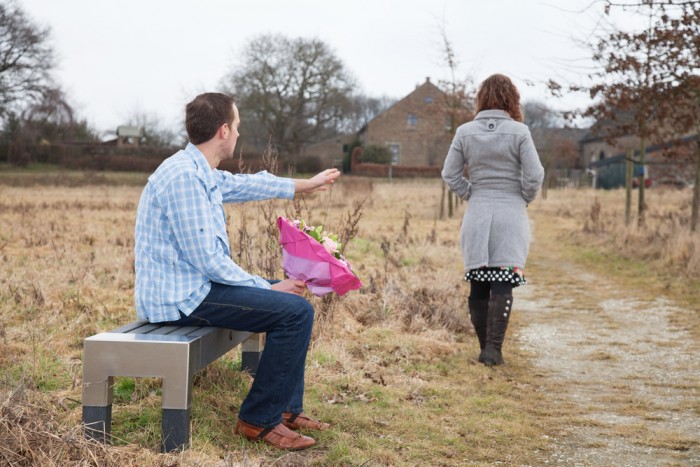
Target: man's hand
292	286
318	182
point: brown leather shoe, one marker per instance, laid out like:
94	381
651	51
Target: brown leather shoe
280	436
300	421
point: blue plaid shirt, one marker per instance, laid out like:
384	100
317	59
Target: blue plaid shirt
181	244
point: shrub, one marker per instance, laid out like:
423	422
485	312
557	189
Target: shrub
376	154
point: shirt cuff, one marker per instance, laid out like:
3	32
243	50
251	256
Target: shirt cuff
261	283
287	189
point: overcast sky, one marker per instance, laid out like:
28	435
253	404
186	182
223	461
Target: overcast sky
116	58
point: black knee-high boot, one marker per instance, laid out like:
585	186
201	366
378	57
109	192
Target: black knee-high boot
479	312
500	307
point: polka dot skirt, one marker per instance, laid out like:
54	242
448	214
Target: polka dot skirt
515	276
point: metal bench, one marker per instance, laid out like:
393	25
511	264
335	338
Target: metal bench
174	353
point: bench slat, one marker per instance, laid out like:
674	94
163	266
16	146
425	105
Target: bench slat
145	329
203	331
165	330
129	327
184	330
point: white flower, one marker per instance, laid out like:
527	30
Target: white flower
330	245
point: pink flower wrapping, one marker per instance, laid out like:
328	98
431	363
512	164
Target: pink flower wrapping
306	259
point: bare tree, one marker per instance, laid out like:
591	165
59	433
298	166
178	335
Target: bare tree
51	118
296	89
26	59
539	115
154	133
457	103
48	118
678	43
666	55
364	109
633	88
459	92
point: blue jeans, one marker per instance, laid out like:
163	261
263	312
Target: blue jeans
287	319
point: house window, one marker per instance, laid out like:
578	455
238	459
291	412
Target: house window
601	156
395	153
412	121
428	100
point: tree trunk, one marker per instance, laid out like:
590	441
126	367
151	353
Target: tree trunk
442	201
696	189
545	185
450	204
629	175
642	161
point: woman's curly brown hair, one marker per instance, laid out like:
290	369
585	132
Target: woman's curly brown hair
498	92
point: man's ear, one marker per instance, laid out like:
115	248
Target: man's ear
223	131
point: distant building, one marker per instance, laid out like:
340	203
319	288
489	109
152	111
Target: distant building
666	163
416	129
329	152
129	135
559	152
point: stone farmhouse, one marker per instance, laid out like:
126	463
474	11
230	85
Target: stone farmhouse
416	130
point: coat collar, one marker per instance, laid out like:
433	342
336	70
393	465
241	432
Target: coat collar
493	114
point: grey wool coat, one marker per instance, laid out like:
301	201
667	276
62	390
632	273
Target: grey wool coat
505	175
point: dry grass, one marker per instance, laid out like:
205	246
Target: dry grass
660	258
392	366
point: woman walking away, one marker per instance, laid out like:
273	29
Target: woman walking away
505	174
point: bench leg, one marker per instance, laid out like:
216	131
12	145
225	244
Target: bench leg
98	422
176	429
97	397
252	349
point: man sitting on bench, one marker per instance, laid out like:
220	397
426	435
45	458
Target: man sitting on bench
185	274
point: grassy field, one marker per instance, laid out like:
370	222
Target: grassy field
392	367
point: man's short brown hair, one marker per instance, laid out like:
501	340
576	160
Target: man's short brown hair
206	113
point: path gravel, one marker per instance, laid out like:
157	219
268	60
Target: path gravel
627	378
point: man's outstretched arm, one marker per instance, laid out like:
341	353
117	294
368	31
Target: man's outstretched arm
318	182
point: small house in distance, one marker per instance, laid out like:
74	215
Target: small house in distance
129	135
416	129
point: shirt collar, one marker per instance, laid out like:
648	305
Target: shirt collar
203	169
494	113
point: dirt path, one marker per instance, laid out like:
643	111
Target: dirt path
623	378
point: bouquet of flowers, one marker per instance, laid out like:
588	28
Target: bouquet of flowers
312	255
